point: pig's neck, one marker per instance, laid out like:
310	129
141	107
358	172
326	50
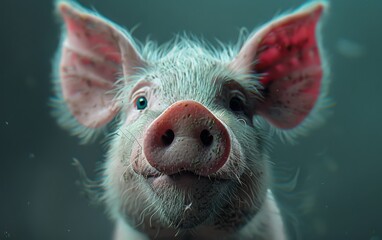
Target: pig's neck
266	225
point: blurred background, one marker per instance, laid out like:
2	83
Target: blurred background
340	163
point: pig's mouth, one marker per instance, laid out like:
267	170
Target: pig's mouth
182	180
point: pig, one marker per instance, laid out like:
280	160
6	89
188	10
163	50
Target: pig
189	124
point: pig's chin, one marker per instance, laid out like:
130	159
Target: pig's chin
187	200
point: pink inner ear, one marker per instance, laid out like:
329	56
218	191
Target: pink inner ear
289	66
90	63
92	35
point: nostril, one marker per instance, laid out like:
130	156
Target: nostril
206	137
168	137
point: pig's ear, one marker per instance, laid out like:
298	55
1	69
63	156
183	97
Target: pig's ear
94	54
285	57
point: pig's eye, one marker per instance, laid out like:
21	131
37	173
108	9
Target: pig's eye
236	104
141	103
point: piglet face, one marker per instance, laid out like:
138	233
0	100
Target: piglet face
188	152
187	143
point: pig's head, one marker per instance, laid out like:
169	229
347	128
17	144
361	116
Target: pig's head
188	150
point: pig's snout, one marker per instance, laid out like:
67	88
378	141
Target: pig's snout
187	137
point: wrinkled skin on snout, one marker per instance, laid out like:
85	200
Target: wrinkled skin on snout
188	154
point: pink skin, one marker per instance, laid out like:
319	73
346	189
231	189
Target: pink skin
290	64
185	167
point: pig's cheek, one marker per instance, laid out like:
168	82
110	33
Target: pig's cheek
117	177
139	163
136	159
132	116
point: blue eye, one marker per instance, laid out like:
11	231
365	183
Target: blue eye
141	103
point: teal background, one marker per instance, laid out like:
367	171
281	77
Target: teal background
340	186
